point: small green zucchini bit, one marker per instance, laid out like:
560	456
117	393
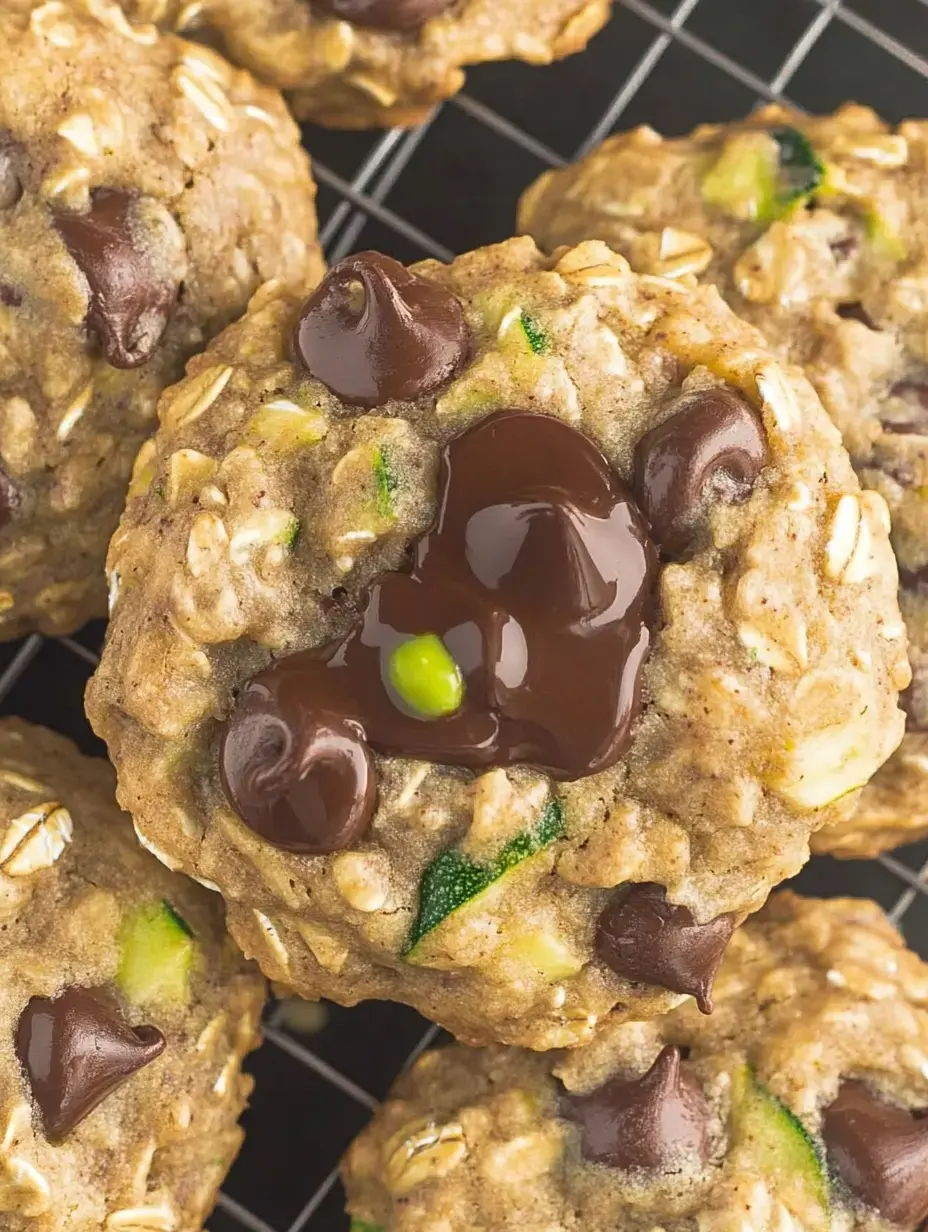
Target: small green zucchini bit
358	1225
387	483
157	951
534	334
781	1147
762	175
453	879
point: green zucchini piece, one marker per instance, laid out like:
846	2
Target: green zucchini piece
761	175
387	482
157	951
358	1225
453	878
781	1147
534	334
292	535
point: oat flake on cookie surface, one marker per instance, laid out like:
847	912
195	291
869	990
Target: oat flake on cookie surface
125	1011
814	230
495	635
798	1105
363	63
147	189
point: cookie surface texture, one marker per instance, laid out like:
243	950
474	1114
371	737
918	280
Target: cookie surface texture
125	1014
461	598
147	190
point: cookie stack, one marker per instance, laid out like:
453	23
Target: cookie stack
494	637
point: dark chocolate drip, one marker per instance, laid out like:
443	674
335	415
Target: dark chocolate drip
373	331
130	302
76	1049
645	938
654	1122
537	578
384	14
880	1151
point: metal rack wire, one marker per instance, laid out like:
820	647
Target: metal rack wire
315	1092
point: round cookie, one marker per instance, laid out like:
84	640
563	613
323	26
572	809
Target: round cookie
147	189
800	1103
125	1011
814	230
461	596
364	63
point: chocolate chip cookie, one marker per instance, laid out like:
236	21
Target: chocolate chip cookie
801	1103
814	230
147	190
125	1011
454	600
363	63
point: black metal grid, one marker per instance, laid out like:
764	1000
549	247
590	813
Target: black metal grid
447	186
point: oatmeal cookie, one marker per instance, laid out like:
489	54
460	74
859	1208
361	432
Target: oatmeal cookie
125	1011
364	63
800	1103
461	597
815	231
146	190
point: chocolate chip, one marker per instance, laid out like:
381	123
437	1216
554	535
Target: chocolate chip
533	594
856	312
658	1121
11	188
130	302
76	1049
643	937
384	14
713	443
880	1151
297	774
373	331
10	499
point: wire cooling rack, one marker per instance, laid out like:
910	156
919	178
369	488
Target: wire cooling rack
447	186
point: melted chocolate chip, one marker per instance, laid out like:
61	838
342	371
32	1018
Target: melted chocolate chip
880	1151
856	312
536	577
76	1049
11	188
643	937
654	1122
130	302
373	331
384	14
714	440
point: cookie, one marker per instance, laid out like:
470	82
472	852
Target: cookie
800	1103
813	229
463	595
147	190
125	1011
364	63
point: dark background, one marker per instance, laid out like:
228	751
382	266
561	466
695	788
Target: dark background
448	186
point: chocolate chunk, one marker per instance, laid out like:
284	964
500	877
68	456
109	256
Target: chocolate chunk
300	776
76	1049
536	579
130	302
11	188
713	443
373	331
880	1151
10	499
384	14
658	1121
643	937
856	312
